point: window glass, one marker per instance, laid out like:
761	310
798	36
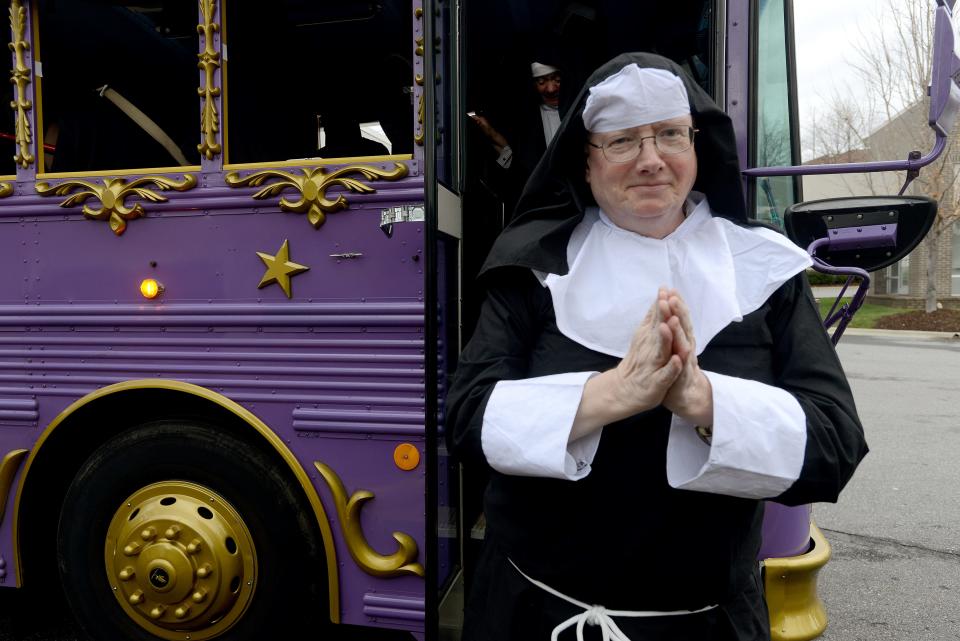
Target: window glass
898	277
773	142
303	76
112	71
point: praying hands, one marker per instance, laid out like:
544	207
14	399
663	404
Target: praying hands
660	368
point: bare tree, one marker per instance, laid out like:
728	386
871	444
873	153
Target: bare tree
894	61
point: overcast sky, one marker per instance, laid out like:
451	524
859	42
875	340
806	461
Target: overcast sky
825	33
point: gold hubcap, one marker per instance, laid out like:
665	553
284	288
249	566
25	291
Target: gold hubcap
181	561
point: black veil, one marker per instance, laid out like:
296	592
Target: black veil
556	195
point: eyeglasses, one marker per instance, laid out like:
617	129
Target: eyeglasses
671	140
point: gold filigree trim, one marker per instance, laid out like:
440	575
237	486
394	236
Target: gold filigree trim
6	189
312	187
8	468
399	563
20	76
421	114
112	195
209	63
420	136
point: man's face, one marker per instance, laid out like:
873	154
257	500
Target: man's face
646	194
548	87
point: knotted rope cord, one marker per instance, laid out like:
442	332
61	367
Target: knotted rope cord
598	615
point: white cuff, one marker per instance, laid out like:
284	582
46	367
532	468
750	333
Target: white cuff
757	450
505	159
527	423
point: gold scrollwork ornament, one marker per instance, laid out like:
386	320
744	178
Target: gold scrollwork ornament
20	77
420	136
312	187
370	561
8	468
209	63
112	195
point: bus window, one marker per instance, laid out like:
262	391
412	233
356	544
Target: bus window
775	132
119	84
310	102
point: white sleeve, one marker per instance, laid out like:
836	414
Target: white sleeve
505	159
527	423
757	449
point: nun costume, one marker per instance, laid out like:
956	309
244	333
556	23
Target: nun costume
645	527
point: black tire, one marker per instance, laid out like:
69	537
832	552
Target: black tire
288	571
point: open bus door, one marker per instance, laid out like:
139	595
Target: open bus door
728	46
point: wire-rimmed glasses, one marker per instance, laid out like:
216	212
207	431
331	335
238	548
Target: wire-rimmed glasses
669	141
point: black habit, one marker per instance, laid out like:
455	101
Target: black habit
622	537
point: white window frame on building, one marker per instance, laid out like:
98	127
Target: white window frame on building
898	277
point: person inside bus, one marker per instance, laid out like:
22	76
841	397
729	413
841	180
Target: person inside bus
647	367
533	131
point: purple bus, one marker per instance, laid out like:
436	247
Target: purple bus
239	240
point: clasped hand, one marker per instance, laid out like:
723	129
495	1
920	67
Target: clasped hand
659	368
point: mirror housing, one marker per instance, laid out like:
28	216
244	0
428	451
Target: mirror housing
867	232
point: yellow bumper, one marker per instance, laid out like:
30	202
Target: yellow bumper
790	584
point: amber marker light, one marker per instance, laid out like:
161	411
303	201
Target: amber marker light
406	456
150	288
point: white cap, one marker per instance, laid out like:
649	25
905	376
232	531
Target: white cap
635	96
537	69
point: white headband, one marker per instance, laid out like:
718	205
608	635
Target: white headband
635	96
537	69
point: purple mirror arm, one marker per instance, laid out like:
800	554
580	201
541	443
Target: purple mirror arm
841	317
854	167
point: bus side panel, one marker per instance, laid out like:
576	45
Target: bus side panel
336	370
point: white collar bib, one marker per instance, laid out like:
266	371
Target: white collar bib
723	272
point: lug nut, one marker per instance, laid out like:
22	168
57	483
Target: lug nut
127	573
204	571
157	612
149	533
199	595
182	611
194	546
172	532
132	549
136	598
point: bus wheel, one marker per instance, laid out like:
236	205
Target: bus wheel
181	531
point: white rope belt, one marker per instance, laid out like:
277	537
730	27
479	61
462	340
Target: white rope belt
599	615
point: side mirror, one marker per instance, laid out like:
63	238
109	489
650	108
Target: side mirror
868	233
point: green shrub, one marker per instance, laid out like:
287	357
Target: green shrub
816	278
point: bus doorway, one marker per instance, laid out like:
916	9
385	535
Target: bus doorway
508	50
565	41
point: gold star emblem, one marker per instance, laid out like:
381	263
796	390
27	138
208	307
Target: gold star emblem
280	268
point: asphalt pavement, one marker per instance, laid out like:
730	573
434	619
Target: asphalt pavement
895	571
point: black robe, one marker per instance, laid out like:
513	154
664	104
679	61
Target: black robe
621	537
